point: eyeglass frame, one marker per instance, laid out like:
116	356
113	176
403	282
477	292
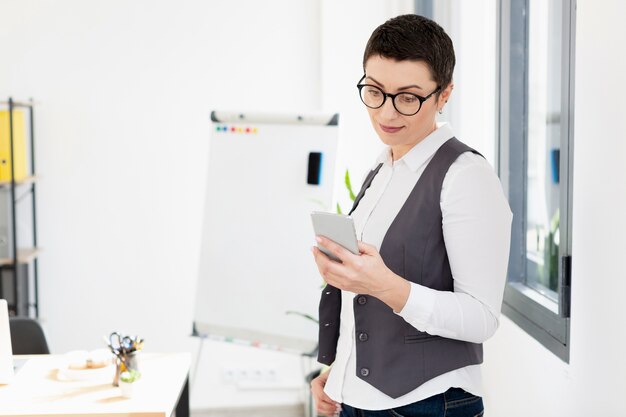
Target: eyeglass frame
393	97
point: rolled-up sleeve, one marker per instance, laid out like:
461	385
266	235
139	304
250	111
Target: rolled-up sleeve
477	232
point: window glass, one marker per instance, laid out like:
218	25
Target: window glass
543	146
536	54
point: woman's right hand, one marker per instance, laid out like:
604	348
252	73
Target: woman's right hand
323	403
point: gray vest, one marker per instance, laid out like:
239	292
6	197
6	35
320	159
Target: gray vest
392	355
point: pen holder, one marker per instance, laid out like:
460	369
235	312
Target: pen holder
125	362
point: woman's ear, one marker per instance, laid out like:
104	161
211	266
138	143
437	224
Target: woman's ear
444	96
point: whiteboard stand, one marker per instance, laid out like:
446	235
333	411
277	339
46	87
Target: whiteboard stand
266	173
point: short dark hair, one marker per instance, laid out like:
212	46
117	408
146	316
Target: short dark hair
414	38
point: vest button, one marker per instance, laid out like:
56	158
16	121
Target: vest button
362	300
363	337
365	371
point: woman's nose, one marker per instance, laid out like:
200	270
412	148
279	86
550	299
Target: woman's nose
388	111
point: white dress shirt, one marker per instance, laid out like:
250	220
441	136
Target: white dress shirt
476	230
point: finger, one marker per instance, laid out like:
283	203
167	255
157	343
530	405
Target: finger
328	269
324	404
367	248
321	404
335	248
323	398
320	257
317	388
322	261
328	413
326	410
325	264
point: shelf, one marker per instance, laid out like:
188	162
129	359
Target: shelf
28	180
12	193
24	256
18	103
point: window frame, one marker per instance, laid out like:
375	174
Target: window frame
544	320
424	8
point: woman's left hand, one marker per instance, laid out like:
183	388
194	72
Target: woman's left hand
362	274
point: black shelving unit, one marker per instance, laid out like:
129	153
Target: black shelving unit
14	270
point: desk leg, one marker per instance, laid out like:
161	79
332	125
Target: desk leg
182	407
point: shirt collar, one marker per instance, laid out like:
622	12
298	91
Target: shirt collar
421	152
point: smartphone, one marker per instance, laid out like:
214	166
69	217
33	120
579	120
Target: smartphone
337	227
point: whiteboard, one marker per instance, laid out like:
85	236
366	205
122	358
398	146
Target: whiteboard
255	261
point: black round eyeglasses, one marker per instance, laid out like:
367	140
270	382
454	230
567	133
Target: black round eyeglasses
407	104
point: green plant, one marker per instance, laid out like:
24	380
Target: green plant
349	188
130	376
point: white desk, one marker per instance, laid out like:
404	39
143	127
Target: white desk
38	391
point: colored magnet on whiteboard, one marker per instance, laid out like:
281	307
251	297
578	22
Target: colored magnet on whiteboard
315	168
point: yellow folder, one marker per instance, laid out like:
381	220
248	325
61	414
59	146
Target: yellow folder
19	145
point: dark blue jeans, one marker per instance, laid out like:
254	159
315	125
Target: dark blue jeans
453	403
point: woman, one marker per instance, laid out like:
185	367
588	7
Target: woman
402	324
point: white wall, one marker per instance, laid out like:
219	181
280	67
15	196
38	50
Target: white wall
471	109
346	27
521	376
124	91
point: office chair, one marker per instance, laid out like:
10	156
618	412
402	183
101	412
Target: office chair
27	337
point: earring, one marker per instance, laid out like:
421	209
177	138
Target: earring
441	110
